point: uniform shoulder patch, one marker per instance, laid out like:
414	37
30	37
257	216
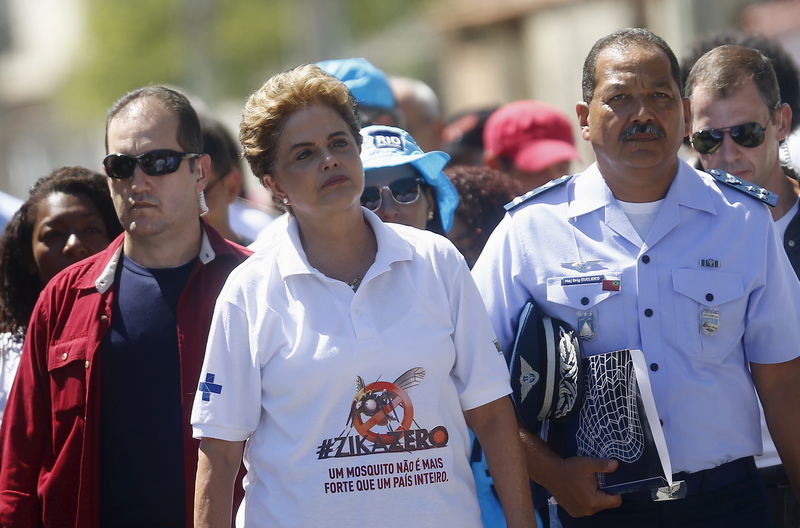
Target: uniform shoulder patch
519	200
744	186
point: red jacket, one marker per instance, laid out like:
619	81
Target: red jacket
49	439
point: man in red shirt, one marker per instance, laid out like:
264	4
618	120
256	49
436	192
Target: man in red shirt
96	431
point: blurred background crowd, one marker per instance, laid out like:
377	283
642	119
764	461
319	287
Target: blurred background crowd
64	61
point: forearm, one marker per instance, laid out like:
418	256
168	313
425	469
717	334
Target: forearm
572	481
542	464
785	434
217	465
495	426
779	389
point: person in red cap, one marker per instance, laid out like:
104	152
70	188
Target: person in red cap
531	141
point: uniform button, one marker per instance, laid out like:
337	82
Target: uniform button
648	312
654	366
86	364
585	301
709	297
104	318
646	259
63	356
790	243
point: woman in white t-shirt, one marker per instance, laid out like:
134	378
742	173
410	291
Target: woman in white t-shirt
346	359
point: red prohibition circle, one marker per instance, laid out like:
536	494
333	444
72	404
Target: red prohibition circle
398	398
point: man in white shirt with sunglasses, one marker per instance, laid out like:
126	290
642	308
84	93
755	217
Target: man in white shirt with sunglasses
738	124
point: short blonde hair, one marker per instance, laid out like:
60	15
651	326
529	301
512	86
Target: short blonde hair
268	109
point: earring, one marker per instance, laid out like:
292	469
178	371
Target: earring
430	215
201	200
285	200
786	160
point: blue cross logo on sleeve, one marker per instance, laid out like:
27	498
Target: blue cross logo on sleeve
208	386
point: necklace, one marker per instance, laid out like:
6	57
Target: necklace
354	283
368	252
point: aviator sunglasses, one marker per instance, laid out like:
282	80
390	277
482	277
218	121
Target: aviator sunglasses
404	191
747	135
154	163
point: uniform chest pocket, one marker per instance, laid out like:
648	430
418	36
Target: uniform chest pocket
710	310
582	293
68	368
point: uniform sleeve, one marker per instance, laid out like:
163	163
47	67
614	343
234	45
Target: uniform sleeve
773	311
25	435
499	283
227	405
480	371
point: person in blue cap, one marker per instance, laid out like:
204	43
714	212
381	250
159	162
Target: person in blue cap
403	184
370	87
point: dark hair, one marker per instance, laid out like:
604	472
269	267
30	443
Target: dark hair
190	137
783	64
370	115
220	145
625	38
463	136
19	284
482	193
725	68
434	225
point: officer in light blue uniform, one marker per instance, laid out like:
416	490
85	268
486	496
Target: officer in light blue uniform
640	251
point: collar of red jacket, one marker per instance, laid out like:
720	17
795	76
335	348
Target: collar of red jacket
101	273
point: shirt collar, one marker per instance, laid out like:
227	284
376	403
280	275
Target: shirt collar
105	279
391	248
687	189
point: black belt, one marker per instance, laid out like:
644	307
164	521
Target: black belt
708	480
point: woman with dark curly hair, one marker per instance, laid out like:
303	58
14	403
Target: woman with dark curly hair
67	217
482	193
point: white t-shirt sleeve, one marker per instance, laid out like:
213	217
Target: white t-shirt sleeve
227	405
480	372
774	307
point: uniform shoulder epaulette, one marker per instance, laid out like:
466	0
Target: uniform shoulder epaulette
744	186
519	200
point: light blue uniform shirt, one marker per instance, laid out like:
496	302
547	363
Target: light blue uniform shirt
710	248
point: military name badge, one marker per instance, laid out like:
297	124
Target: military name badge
709	320
587	326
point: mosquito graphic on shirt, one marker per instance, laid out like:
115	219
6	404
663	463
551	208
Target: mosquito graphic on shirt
377	405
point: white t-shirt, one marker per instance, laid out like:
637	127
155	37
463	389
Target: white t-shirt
352	403
770	457
269	236
8	206
641	215
782	223
10	352
246	220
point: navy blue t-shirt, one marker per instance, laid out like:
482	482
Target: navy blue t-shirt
141	429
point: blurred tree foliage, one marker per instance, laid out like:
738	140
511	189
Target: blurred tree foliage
217	49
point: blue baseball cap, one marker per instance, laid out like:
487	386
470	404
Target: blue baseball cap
385	146
367	84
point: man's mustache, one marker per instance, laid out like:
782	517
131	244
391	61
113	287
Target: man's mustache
641	128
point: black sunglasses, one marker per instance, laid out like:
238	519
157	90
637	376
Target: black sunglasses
747	135
154	163
404	191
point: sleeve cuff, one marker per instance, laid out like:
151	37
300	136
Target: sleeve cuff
200	431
